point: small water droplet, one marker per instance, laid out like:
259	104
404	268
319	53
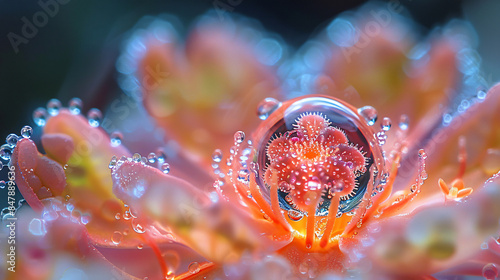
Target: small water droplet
266	107
2	184
170	275
116	238
217	155
26	131
117	216
295	215
152	157
161	155
112	162
165	168
53	107
422	154
116	138
381	137
140	246
95	117
239	137
136	157
386	124
490	271
369	114
12	139
481	94
5	152
404	122
40	116
194	267
138	227
75	106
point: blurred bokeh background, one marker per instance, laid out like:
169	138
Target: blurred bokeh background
74	53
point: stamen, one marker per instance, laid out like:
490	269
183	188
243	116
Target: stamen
462	156
332	216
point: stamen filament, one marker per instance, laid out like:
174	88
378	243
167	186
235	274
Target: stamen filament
332	216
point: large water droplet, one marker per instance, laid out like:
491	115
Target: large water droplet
239	137
12	139
369	114
40	116
53	107
266	107
26	131
95	117
116	138
75	106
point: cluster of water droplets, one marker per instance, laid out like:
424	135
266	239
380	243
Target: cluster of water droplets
10	143
75	105
157	159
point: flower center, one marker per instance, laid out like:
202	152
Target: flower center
313	160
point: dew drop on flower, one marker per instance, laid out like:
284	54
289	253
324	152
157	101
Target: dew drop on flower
369	114
75	106
239	137
165	168
381	137
116	138
194	267
116	238
404	122
217	155
26	131
95	117
481	94
490	271
386	124
5	152
140	246
316	120
53	107
152	157
161	155
112	162
2	184
138	227
40	116
12	139
422	154
266	107
136	157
